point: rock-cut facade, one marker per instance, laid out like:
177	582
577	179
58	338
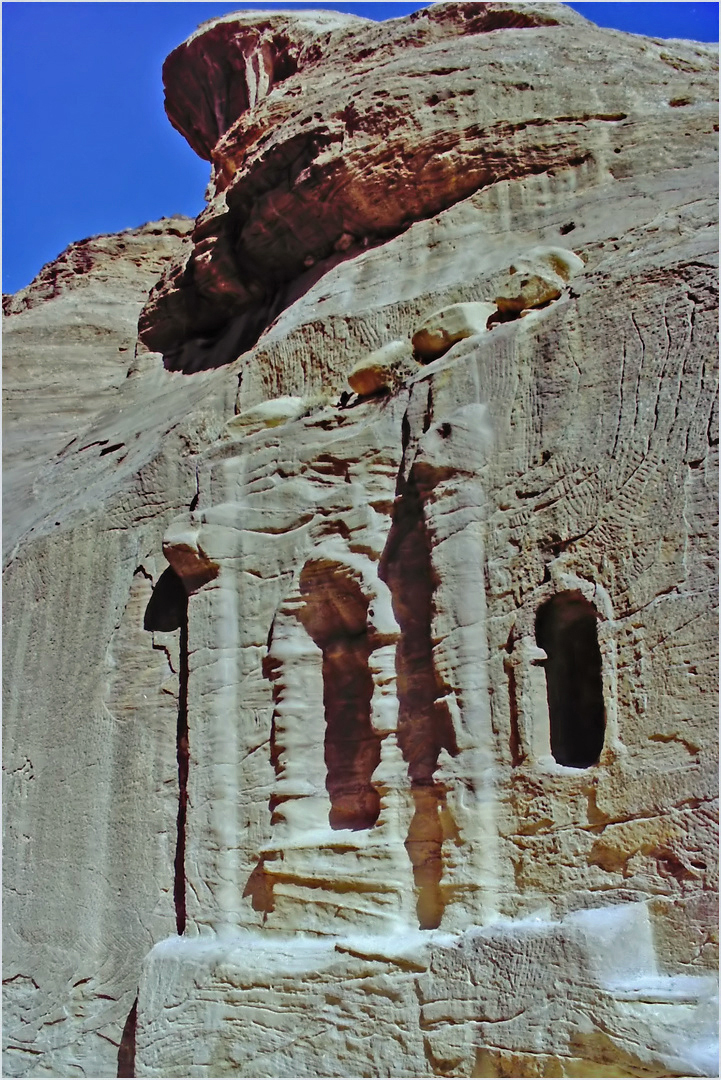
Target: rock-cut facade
360	570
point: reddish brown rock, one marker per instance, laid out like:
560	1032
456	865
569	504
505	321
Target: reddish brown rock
309	168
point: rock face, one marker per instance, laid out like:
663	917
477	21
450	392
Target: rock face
307	170
80	314
369	727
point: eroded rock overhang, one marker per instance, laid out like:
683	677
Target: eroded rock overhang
329	133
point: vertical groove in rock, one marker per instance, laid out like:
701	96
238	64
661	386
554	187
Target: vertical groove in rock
183	753
126	1050
515	741
275	748
517	755
167	611
423	727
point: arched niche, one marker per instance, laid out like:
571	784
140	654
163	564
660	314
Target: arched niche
566	630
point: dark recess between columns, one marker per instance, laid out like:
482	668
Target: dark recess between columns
424	727
168	606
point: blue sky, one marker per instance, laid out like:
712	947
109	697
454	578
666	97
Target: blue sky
86	145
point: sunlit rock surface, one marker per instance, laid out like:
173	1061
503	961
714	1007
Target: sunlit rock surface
328	133
369	727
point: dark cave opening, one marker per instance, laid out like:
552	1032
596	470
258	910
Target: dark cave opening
168	606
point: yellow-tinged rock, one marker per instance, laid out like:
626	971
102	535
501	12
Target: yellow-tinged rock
561	261
378	370
444	328
522	290
537	278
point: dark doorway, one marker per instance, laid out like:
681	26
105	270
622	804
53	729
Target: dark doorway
566	629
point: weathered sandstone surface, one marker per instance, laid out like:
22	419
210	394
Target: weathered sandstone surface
361	572
68	344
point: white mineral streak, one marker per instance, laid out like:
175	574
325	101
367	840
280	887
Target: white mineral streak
268	414
291	785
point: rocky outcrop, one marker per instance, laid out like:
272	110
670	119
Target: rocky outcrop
308	169
445	328
375	733
381	370
539	278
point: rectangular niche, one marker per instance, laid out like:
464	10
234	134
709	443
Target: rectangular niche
567	631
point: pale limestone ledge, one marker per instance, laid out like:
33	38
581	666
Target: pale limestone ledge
590	983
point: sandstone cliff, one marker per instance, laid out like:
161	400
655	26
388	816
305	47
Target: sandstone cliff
360	570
